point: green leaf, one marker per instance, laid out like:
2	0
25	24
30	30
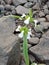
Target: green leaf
26	16
31	20
15	16
30	13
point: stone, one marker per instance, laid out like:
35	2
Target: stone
22	63
32	59
45	25
14	58
34	40
17	2
48	4
33	1
13	12
20	10
38	29
42	64
39	35
8	1
46	11
47	17
30	0
12	7
1	8
45	7
42	27
29	45
8	42
8	7
35	12
28	4
41	50
46	35
36	6
41	19
8	13
41	14
2	3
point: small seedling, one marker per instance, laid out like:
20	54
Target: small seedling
25	33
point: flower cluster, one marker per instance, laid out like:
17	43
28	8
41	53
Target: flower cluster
27	21
22	32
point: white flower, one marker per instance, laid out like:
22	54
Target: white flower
34	64
21	34
35	21
29	33
28	36
23	15
27	20
18	29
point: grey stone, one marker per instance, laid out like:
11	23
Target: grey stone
28	4
39	35
30	0
12	7
33	0
36	6
46	11
22	63
17	2
13	12
20	10
1	8
42	26
35	12
8	13
38	29
45	25
32	59
34	40
41	19
46	35
8	42
41	50
8	1
41	14
42	64
47	17
2	3
8	7
48	4
29	45
45	7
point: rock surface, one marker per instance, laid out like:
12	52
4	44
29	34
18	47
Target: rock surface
41	51
8	42
34	40
20	10
17	2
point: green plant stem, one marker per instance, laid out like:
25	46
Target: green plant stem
15	16
25	49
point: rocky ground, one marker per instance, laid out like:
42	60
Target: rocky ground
38	45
